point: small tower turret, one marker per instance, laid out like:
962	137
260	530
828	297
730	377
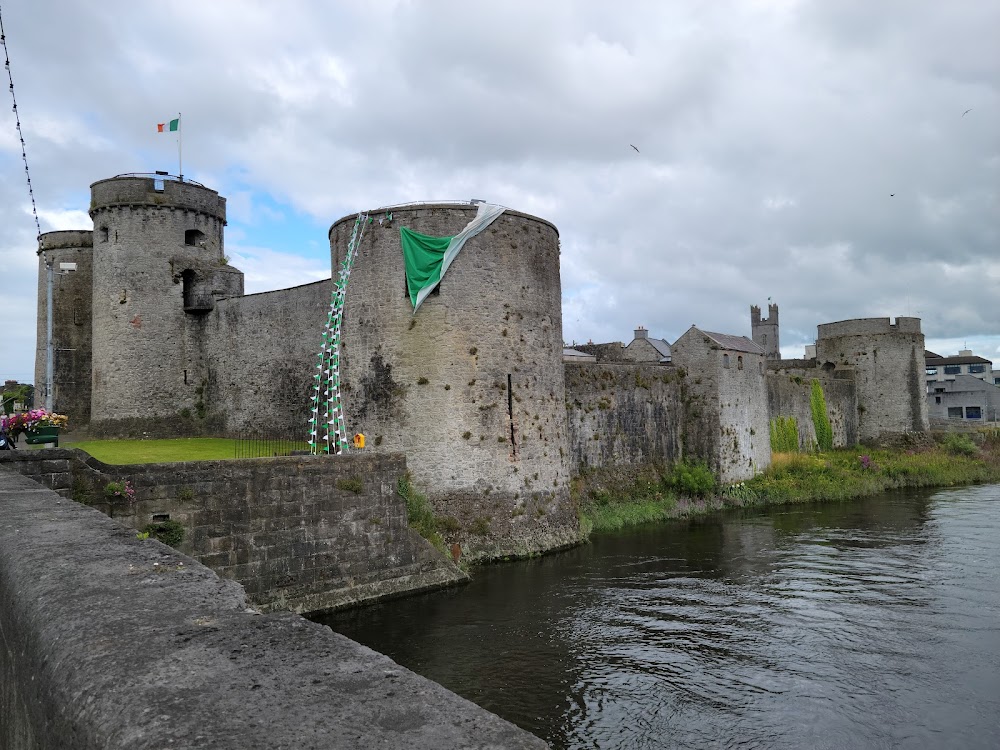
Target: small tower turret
71	329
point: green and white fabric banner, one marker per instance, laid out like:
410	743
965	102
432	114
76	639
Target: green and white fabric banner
427	258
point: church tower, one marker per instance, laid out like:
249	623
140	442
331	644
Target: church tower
765	332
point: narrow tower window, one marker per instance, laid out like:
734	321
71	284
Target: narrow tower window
188	278
725	361
739	362
104	234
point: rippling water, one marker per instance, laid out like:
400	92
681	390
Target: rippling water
869	624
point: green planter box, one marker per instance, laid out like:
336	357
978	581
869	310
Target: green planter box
45	434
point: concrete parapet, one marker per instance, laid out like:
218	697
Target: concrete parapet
110	642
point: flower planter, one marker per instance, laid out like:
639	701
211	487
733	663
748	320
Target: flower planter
43	434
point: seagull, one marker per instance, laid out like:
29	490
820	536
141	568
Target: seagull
892	195
966	112
636	150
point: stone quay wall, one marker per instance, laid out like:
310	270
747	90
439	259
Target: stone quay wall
303	533
108	642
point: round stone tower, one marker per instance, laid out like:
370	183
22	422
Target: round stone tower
158	267
888	364
471	387
70	255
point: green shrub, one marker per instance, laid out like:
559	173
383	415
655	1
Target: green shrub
991	436
171	533
784	435
480	527
692	478
739	494
448	524
959	445
419	514
821	421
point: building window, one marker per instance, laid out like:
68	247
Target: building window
739	362
973	412
725	361
977	368
954	412
104	234
194	237
937	399
952	369
996	381
930	371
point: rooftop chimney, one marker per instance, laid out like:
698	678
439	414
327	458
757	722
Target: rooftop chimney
641	333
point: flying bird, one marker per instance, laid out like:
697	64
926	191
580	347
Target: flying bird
966	112
892	195
636	150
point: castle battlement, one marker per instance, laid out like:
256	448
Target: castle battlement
868	326
65	238
156	191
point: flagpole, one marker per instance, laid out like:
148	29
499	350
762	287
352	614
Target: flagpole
180	162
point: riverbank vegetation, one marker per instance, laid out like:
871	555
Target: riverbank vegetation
607	503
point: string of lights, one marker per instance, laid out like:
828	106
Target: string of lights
17	120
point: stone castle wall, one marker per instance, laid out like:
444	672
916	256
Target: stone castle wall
888	364
264	348
623	415
471	387
789	392
72	332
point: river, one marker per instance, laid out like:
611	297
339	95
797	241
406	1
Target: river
873	623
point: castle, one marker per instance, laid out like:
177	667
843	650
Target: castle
153	334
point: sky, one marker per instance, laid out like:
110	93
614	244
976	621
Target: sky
839	158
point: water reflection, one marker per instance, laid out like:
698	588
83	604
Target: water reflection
873	623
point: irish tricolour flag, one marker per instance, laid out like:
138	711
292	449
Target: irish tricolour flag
162	127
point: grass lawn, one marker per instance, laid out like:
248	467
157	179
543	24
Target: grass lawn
166	451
